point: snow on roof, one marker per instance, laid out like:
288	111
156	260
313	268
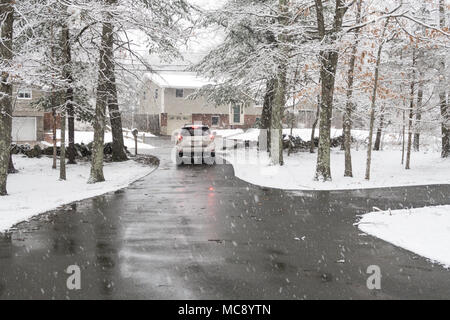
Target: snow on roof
179	80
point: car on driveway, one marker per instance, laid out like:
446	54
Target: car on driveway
195	145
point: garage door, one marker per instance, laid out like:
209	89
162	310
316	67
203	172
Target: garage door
23	129
176	122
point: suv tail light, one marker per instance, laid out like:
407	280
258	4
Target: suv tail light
180	138
211	137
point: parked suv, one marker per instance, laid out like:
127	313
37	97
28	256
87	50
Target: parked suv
194	144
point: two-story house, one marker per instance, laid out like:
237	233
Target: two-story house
28	123
165	107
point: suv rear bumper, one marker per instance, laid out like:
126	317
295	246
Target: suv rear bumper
196	151
184	153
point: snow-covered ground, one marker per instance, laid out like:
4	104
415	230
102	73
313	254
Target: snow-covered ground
227	133
299	168
424	231
389	139
37	189
88	136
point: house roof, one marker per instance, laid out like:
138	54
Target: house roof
178	80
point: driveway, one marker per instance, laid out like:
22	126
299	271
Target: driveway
197	232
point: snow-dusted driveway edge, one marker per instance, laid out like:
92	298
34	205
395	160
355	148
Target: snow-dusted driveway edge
424	231
36	188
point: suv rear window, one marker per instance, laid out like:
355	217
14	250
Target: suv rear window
190	131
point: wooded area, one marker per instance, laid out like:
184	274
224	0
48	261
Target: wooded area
381	63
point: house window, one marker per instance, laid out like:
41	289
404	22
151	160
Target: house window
236	113
156	94
24	94
179	93
215	120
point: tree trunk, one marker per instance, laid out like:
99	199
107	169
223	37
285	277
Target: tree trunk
347	123
313	130
445	113
377	145
52	99
328	61
403	136
71	153
101	103
418	113
276	130
276	139
6	56
11	168
62	156
373	104
118	149
67	74
411	111
266	115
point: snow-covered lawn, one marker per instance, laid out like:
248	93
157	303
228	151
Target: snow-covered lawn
389	139
227	133
303	133
88	136
425	231
298	171
36	188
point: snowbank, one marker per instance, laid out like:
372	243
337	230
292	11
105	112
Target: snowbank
36	188
88	136
425	231
298	171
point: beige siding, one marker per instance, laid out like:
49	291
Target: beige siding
178	106
147	102
174	105
24	105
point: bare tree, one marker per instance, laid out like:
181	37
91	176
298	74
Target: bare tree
106	48
348	172
374	99
328	66
411	110
276	132
420	84
445	114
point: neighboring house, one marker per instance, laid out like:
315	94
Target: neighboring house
29	123
165	107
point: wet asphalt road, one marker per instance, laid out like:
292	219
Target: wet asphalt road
197	232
